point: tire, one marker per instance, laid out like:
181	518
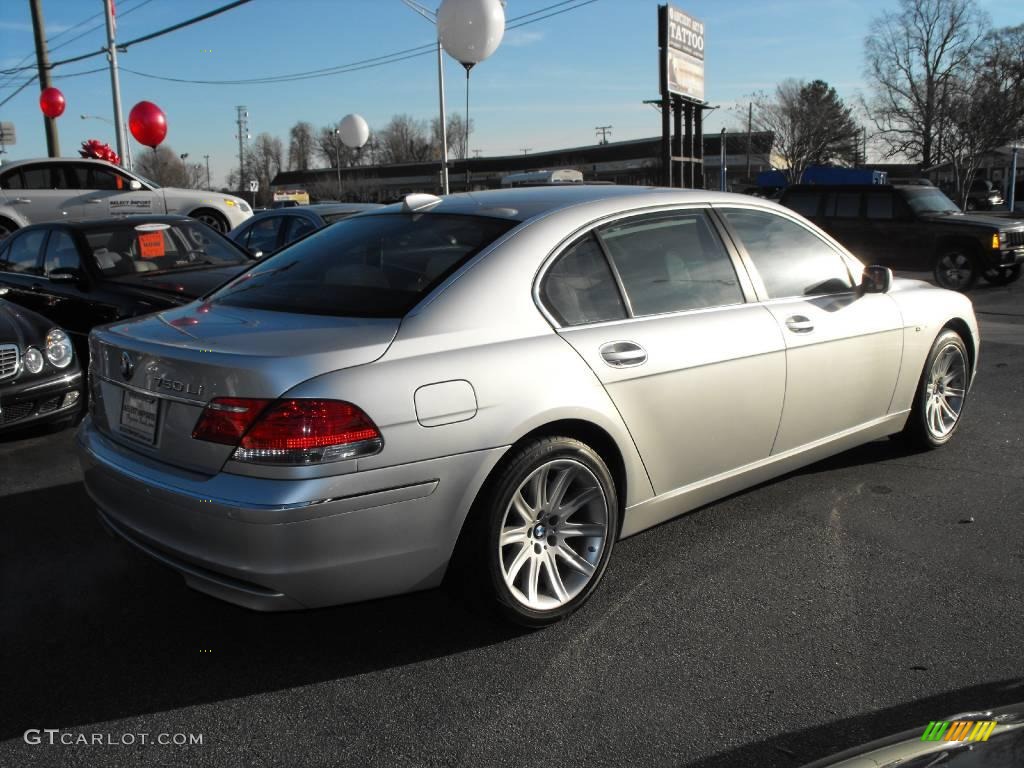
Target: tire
536	563
941	393
212	219
7	228
956	268
1002	275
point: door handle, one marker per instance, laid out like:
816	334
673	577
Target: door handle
4	291
35	287
799	324
623	354
22	200
94	200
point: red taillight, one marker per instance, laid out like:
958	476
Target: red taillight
226	419
302	424
289	431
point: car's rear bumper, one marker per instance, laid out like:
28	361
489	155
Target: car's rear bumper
354	537
36	402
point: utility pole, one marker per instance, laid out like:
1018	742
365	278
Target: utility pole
476	153
43	63
603	131
722	160
115	83
337	155
526	150
242	119
750	135
207	158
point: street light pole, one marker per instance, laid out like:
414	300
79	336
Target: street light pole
337	154
207	157
115	83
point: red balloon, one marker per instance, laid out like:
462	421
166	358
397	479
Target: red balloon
51	101
148	123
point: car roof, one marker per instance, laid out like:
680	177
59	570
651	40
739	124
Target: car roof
33	161
524	203
133	220
320	209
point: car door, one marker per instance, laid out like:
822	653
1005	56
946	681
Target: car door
842	219
65	289
655	305
35	191
20	268
843	348
107	192
264	236
297	227
894	238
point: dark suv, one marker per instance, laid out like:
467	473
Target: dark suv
914	228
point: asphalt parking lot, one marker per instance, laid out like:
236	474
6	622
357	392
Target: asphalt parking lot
864	595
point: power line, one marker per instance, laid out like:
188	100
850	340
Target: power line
32	79
356	66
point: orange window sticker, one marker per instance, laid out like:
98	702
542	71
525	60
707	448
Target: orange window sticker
151	244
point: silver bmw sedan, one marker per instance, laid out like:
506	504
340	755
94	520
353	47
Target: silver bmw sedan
501	385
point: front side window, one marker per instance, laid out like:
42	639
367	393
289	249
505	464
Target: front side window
791	260
262	235
672	263
61	253
368	266
579	287
106	179
298	226
22	255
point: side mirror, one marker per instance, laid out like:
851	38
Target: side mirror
876	280
65	275
135	185
256	254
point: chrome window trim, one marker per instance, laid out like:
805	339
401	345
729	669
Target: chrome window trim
744	279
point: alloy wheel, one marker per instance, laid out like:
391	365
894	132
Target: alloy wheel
955	270
553	534
946	388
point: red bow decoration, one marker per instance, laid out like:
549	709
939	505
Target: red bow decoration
97	150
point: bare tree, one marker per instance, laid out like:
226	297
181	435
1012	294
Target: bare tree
456	135
405	140
265	160
987	106
162	165
810	125
301	146
915	57
330	148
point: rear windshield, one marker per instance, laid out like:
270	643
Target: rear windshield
368	266
130	246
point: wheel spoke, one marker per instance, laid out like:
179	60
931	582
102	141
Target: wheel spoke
575	560
569	509
560	487
557	585
524	510
532	579
517	563
954	392
948	412
539	487
513	535
581	529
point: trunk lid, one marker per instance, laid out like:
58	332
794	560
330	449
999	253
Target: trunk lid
177	361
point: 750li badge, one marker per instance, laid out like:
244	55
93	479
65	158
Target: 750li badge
178	386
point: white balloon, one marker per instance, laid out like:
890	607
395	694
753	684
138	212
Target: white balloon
470	30
354	131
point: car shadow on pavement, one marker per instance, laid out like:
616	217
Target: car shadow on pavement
800	747
92	630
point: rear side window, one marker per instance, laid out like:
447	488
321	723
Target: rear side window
879	206
38	177
11	180
672	263
579	288
368	266
804	203
842	205
790	259
22	256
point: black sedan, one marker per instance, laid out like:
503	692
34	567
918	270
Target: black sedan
83	274
272	230
40	379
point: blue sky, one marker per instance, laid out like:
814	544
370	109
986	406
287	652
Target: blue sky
548	85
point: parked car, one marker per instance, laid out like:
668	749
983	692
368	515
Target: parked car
499	385
83	274
76	189
270	231
987	738
40	379
917	228
983	196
